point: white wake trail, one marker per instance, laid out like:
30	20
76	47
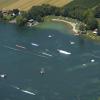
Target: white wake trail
63	52
28	92
35	54
11	48
22	90
46	54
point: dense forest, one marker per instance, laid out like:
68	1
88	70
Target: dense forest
84	10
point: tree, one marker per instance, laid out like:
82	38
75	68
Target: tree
82	27
1	15
92	24
20	20
75	11
98	31
57	11
88	14
24	14
16	12
90	20
38	12
97	11
35	13
64	12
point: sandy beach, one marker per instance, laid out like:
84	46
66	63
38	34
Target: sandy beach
68	22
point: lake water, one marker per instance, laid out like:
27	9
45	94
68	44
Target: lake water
25	51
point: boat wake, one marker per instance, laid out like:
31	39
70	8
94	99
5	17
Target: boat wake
28	92
24	91
63	52
46	54
82	66
40	55
11	48
15	87
27	52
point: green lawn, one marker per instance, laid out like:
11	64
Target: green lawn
91	36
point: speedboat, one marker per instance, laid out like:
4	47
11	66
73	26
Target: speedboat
3	75
92	60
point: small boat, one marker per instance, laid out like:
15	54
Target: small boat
19	46
34	44
3	75
42	71
49	36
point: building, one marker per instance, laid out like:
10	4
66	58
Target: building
31	22
95	31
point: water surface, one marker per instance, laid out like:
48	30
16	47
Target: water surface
67	77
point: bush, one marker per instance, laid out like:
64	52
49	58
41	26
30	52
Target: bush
8	17
21	20
92	24
1	15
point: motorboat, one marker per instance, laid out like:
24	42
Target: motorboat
3	75
34	44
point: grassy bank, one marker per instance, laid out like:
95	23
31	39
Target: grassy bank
91	36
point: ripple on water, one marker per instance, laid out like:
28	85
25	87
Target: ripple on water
82	66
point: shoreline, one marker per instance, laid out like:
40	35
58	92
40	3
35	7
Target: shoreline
68	22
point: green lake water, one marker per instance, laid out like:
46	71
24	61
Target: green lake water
25	51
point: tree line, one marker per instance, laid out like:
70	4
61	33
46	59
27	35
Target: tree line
79	12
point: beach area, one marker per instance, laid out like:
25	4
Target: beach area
75	28
68	22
